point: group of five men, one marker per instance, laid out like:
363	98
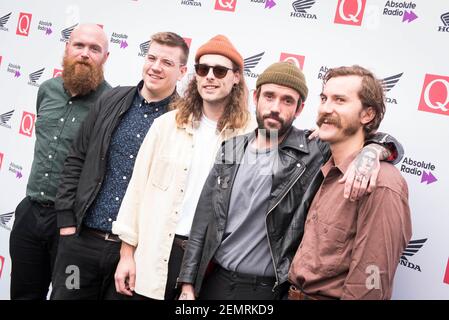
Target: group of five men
154	196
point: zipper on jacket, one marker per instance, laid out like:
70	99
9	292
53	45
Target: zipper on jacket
266	227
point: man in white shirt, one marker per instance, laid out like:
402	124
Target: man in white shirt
172	165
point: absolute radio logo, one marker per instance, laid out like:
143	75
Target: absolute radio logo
445	20
57	72
65	33
4	21
420	168
412	248
322	72
350	12
249	64
35	76
435	94
191	3
268	3
5	219
402	9
27	124
119	39
45	27
14	69
16	169
225	5
389	83
23	24
295	59
301	9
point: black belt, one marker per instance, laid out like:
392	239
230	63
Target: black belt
107	236
181	241
246	278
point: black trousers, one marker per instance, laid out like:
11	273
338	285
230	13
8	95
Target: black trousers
85	267
32	245
222	284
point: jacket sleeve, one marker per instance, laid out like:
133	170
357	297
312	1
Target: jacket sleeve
394	146
73	166
126	225
203	214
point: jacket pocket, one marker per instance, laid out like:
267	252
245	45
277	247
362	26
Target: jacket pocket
162	174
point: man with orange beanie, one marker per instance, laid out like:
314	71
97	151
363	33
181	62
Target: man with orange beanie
173	162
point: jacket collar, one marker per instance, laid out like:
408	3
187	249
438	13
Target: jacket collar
294	139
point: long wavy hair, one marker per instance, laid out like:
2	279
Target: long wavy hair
235	115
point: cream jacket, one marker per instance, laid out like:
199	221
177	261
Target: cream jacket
150	209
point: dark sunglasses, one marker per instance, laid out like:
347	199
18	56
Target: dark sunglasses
219	71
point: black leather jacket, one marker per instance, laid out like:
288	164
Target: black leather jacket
294	186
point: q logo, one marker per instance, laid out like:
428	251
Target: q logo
225	5
24	23
350	12
2	263
27	124
57	73
435	94
295	59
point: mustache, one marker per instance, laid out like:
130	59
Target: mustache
333	120
274	116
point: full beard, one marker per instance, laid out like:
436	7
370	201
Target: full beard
279	133
80	78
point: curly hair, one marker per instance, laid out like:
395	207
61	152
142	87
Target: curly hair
235	115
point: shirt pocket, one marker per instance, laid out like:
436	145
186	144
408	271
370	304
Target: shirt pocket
331	247
162	173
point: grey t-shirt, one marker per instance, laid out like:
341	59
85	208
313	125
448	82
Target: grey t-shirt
245	246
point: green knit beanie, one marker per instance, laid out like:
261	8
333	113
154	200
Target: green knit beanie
285	74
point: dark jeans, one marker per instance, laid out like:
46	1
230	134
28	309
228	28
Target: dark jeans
85	267
32	245
222	284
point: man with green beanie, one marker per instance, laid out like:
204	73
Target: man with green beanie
250	217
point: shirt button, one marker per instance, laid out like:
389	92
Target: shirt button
169	235
49	156
185	169
131	156
55	137
157	109
117	198
301	145
62	119
165	260
182	190
145	115
42	193
46	174
70	102
140	105
176	212
124	177
109	219
298	165
325	230
138	135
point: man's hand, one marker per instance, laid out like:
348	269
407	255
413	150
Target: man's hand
125	274
67	231
361	176
187	292
314	133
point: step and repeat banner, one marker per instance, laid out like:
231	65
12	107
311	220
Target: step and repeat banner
406	43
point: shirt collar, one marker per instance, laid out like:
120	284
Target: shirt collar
142	101
343	167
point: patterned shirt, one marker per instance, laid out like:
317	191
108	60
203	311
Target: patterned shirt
122	152
59	117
